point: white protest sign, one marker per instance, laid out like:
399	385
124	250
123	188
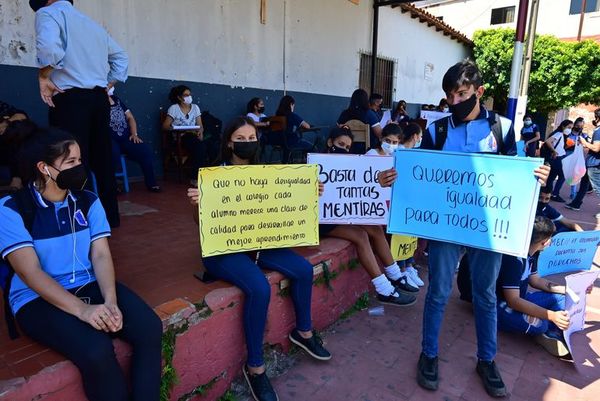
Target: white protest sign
431	115
569	251
385	118
577	285
352	193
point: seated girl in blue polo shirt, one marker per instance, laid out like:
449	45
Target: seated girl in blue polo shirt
240	147
541	313
64	293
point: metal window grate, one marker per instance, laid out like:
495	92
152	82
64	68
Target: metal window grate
384	77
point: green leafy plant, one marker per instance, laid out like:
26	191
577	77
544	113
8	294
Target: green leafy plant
563	74
361	303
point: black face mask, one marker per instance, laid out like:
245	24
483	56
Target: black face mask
461	110
73	178
261	109
245	150
337	149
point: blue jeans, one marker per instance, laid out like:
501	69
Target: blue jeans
240	270
594	176
443	259
514	322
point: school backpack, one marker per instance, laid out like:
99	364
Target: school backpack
545	150
26	207
441	133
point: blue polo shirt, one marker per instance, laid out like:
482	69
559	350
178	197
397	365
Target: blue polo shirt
474	136
514	274
61	236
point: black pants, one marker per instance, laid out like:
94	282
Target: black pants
92	350
85	113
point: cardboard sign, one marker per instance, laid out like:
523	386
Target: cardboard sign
569	251
245	208
403	247
577	285
478	200
352	193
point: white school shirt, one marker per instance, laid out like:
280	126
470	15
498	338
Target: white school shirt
560	146
179	118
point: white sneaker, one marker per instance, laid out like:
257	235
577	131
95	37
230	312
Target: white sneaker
409	279
413	275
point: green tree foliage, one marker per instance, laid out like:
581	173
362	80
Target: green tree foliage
563	74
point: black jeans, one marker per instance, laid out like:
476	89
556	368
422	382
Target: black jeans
85	113
92	350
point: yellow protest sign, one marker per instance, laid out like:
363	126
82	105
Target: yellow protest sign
403	246
245	208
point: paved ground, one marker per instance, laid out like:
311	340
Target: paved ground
375	356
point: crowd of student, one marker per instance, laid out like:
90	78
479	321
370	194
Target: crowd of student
54	234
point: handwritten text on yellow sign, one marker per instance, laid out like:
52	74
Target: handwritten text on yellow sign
244	208
403	246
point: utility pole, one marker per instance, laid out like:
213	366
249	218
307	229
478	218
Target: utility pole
517	61
583	4
522	102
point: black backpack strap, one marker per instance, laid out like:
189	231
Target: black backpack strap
441	133
26	208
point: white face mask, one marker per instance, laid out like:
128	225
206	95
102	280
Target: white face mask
111	91
388	148
445	109
187	99
567	131
418	143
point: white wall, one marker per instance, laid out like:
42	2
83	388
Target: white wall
553	18
414	45
223	42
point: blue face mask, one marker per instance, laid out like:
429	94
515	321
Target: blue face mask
527	122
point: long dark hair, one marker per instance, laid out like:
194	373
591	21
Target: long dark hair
252	104
561	127
285	105
42	145
176	92
396	112
230	128
408	132
359	100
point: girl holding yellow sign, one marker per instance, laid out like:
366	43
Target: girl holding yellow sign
243	269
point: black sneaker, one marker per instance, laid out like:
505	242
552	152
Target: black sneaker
260	386
313	346
490	375
557	198
397	298
402	285
427	372
570	206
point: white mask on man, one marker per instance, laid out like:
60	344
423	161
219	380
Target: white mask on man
111	91
187	99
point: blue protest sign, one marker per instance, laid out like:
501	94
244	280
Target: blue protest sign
570	251
479	200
